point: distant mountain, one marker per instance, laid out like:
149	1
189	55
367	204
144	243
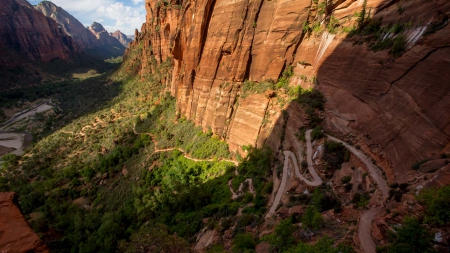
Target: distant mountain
111	44
27	32
124	39
95	40
69	24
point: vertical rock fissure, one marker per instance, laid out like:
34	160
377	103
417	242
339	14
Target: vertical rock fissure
209	9
250	57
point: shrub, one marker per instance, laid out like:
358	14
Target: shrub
311	218
437	205
243	242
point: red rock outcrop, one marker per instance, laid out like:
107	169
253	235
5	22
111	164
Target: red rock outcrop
121	37
28	32
397	106
15	234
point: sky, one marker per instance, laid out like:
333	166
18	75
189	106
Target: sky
123	15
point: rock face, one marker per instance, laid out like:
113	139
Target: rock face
29	33
397	106
121	37
15	234
69	24
103	36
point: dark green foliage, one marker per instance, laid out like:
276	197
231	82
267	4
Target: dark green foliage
311	218
361	200
323	245
154	238
243	243
317	133
335	154
324	199
417	165
437	205
312	101
282	238
257	163
410	237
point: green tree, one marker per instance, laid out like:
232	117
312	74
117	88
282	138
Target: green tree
410	237
243	243
312	218
437	205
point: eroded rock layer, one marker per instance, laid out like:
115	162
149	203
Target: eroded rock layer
397	106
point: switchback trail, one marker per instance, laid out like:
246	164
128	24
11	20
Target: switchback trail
289	154
365	222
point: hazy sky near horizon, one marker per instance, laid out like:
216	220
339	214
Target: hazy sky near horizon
123	15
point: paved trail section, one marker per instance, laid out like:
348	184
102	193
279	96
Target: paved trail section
289	154
365	223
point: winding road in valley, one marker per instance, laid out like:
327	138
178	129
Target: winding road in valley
365	222
289	154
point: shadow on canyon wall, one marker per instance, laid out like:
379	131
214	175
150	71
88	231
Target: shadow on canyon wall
385	83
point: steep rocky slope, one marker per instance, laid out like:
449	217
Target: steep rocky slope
394	103
29	33
69	24
15	234
121	37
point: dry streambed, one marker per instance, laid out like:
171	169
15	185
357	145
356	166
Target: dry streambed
9	138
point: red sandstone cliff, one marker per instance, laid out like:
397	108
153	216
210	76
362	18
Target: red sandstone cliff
397	106
15	234
28	32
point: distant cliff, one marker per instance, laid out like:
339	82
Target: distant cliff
95	39
382	65
69	24
27	32
121	37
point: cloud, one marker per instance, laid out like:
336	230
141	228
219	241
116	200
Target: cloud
125	18
138	1
73	6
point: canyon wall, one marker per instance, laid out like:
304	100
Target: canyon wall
395	106
27	32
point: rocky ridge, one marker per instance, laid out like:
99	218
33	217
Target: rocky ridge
393	106
27	32
69	24
121	37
